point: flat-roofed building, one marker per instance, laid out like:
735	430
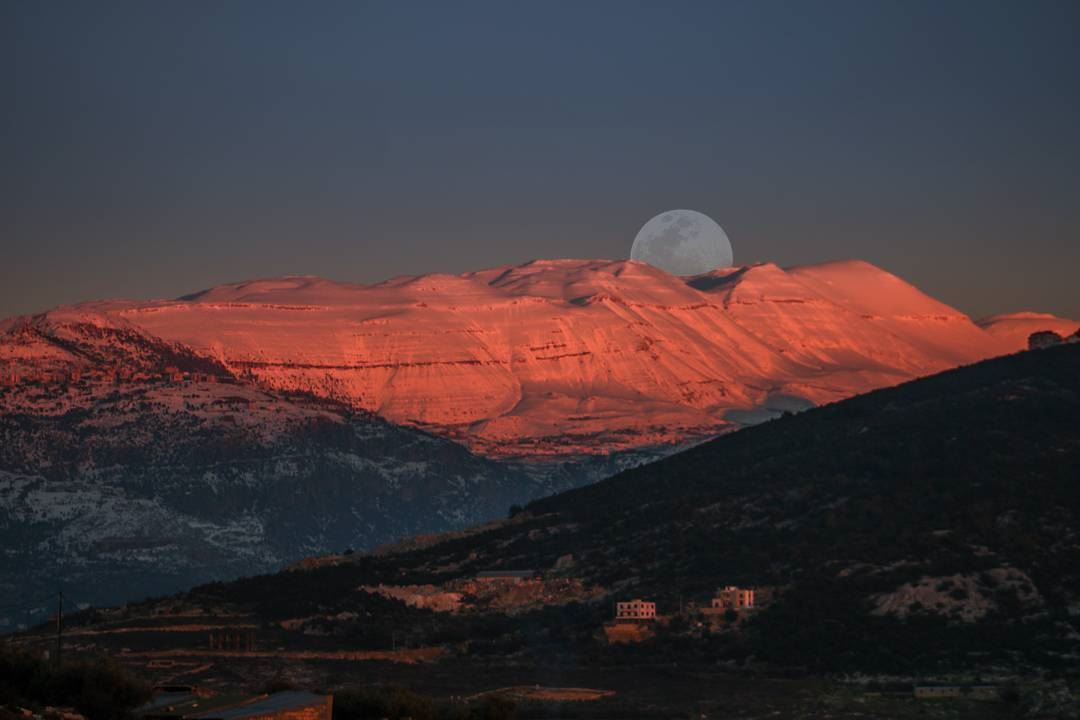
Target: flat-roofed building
636	609
733	598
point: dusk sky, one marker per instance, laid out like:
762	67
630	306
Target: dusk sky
152	149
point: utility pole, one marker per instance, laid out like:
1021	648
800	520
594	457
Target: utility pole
59	625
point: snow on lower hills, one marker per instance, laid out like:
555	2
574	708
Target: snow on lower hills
1015	328
567	357
131	466
149	486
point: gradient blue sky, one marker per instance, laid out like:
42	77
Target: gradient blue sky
156	148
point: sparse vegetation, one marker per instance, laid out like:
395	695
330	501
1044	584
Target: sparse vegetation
954	498
949	478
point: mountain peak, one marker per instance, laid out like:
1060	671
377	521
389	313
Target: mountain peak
296	288
1015	328
869	290
569	356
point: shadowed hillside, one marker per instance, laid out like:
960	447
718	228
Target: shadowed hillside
932	525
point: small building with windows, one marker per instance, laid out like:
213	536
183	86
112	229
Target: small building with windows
733	598
636	609
731	605
635	621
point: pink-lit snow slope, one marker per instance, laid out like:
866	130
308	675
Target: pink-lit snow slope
1016	328
563	357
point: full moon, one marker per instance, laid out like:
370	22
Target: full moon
682	242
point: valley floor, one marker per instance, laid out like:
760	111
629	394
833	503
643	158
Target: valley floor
656	691
563	689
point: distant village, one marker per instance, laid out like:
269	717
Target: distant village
731	605
635	619
632	621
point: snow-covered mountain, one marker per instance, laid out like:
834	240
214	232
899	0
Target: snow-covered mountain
570	357
147	445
